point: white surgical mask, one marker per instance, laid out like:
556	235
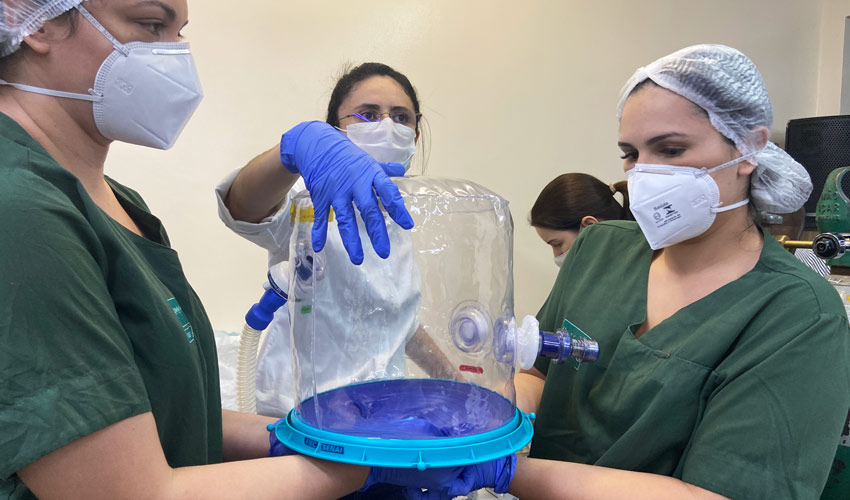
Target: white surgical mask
144	93
385	140
672	204
559	260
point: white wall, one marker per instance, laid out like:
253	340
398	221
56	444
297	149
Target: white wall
515	93
833	22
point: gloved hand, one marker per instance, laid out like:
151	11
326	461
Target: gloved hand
337	172
415	480
276	448
496	474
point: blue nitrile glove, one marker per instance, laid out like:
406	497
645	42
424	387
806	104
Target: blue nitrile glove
496	474
276	448
337	172
414	480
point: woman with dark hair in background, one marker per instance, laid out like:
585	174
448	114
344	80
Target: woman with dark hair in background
570	203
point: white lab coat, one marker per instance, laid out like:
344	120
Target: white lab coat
345	346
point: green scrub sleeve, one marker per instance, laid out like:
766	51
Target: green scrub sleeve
67	365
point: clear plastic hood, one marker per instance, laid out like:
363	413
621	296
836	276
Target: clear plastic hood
416	346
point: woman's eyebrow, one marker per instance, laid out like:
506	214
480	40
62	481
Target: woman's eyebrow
657	138
170	13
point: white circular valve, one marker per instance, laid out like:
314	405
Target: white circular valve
528	341
278	278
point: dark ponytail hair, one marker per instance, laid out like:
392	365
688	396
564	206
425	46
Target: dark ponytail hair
355	75
570	197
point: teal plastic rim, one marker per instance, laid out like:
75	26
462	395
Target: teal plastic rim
406	453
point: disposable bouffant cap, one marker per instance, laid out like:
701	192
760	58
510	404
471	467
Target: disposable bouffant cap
21	18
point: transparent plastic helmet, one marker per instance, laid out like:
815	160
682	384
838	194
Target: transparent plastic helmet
407	360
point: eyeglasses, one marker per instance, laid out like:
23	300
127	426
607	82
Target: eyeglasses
401	116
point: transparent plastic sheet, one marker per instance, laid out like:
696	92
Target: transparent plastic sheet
449	280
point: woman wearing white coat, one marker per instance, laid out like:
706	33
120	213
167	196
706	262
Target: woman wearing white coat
377	108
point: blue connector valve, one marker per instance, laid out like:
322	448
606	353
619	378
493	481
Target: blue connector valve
529	342
560	346
262	313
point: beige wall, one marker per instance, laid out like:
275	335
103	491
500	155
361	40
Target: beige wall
833	15
515	93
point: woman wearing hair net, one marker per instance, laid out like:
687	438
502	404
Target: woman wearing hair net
110	385
723	366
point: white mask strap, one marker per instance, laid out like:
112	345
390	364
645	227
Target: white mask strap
91	96
55	93
733	162
94	22
729	164
730	207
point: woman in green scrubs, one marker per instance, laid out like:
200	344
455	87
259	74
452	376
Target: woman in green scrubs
723	368
109	375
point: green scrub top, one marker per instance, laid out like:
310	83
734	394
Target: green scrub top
743	392
97	324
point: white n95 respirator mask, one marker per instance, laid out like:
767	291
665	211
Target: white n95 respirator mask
385	140
559	260
672	204
144	92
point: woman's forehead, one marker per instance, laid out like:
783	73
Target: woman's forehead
378	90
653	109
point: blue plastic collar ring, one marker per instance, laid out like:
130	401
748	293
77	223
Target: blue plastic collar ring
371	441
